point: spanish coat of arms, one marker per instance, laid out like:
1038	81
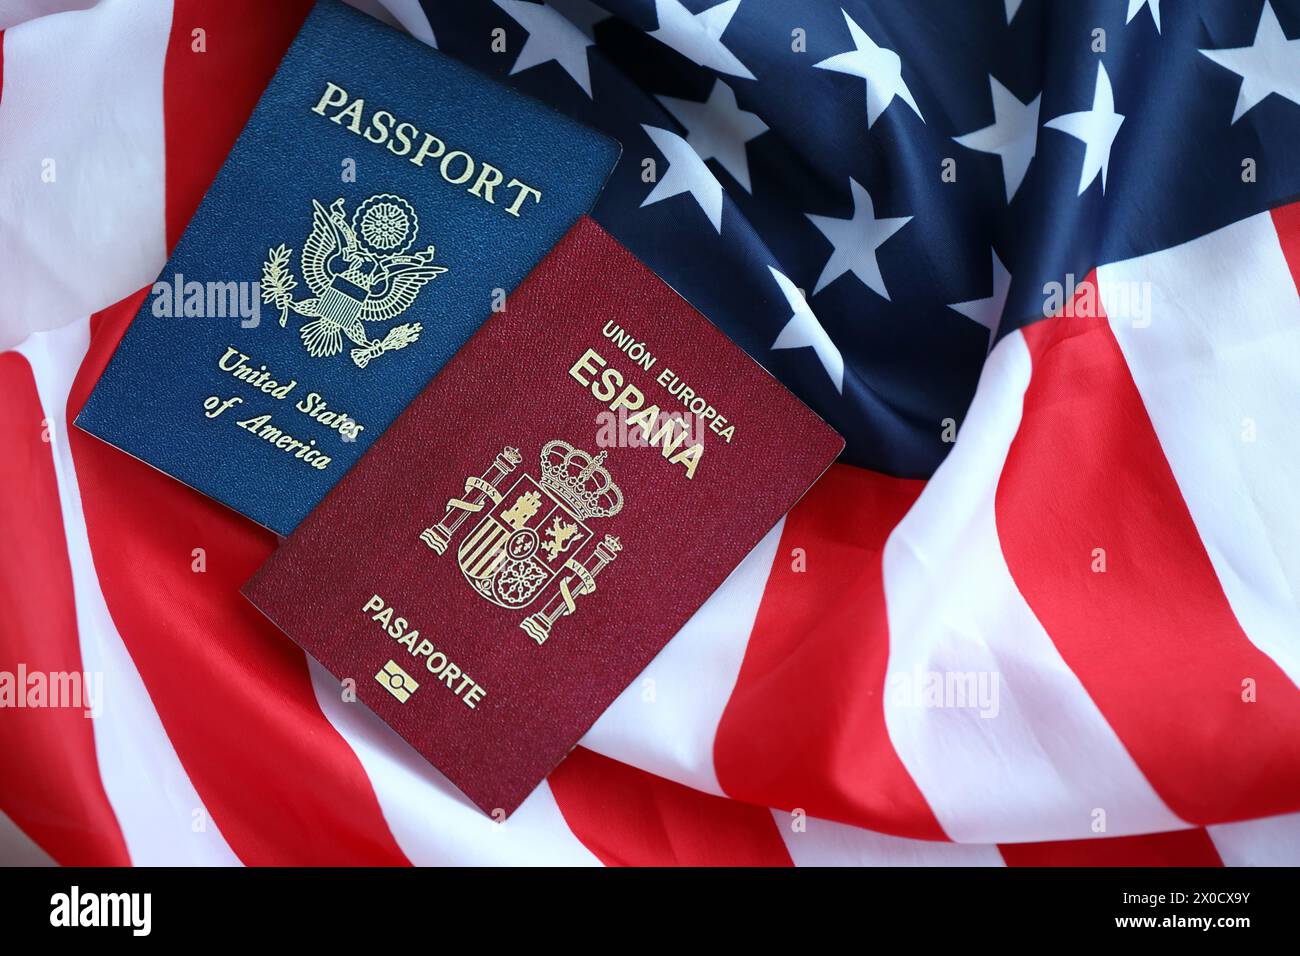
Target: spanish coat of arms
535	533
360	272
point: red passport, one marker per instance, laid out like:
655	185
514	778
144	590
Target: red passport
543	518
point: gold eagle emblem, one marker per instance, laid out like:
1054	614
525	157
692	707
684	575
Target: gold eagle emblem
359	271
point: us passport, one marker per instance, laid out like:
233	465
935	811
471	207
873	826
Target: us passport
543	518
381	202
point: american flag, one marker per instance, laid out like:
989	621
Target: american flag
1037	260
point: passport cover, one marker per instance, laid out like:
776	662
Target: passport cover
543	518
384	198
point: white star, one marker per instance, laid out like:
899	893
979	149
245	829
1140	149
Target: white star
1270	65
686	174
698	36
410	17
1013	7
881	68
1013	136
1096	127
1135	5
855	241
555	32
719	129
804	331
988	312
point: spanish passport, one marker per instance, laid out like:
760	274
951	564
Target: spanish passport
381	202
543	518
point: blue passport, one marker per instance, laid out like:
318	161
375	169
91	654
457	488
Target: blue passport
379	206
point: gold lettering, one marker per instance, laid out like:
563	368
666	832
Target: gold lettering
610	380
328	98
449	674
488	177
668	431
690	458
630	398
353	111
403	137
399	137
423	152
524	191
585	364
446	162
380	124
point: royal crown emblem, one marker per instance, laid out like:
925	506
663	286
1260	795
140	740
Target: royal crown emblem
360	272
534	540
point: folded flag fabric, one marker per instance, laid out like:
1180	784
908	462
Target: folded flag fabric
1038	264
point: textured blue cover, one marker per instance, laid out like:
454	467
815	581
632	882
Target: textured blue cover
150	400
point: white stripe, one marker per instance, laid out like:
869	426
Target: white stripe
18	849
429	818
96	233
822	843
1219	354
155	802
1271	841
666	720
1048	760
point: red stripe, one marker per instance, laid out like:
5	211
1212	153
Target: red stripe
233	693
1180	848
1286	220
49	775
209	95
805	725
1153	639
628	817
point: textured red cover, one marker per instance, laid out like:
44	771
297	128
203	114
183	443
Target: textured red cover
537	676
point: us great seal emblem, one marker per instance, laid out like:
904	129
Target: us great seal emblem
360	271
